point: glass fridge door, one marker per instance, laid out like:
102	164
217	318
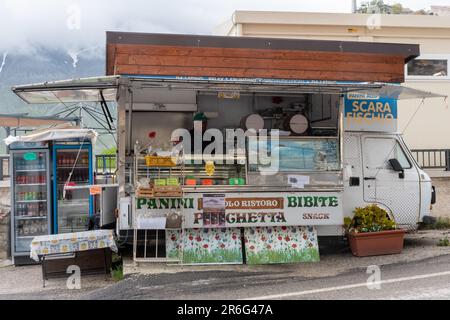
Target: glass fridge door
30	178
73	169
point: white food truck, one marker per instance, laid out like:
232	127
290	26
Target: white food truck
337	145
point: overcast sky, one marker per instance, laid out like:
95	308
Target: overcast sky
81	24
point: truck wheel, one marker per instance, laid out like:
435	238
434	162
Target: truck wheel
429	220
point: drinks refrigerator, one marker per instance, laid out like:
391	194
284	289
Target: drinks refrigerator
72	207
30	195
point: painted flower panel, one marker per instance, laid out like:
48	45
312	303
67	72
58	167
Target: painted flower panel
173	243
205	246
271	245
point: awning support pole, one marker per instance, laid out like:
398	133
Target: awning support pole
104	108
123	96
108	116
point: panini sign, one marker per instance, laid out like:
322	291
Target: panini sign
252	210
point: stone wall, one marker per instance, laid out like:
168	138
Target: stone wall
5	235
5	224
442	206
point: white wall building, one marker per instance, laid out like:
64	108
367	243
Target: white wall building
427	127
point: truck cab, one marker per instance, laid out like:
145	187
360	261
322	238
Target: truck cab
379	168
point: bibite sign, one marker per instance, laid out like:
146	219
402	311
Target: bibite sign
365	112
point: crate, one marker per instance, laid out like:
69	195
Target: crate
157	161
167	191
145	193
160	192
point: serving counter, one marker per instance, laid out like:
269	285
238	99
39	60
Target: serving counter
224	209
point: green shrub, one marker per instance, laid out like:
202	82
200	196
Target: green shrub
116	267
441	223
117	273
369	219
444	242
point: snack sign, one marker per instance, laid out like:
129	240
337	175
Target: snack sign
252	209
365	112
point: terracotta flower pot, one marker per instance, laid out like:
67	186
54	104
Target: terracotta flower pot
366	244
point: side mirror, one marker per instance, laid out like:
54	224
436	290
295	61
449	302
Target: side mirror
396	166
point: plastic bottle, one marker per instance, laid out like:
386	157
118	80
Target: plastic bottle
41	162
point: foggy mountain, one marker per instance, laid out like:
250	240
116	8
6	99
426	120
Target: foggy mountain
46	65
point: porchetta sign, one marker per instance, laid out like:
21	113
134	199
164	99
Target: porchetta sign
272	209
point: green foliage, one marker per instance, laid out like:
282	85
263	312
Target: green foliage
117	273
379	6
348	223
370	219
109	163
283	256
112	150
216	256
397	8
117	267
444	242
116	258
442	223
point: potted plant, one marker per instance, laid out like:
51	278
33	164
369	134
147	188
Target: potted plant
372	232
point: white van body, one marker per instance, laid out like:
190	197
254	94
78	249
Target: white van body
368	178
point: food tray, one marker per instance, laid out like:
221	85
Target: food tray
158	161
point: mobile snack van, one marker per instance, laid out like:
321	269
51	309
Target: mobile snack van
296	134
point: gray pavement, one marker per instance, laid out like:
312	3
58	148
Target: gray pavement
421	271
428	279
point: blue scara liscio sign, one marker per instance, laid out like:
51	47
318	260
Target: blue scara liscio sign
370	113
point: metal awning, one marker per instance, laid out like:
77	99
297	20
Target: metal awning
279	86
70	91
23	120
105	88
54	134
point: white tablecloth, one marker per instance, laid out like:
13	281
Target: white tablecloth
72	242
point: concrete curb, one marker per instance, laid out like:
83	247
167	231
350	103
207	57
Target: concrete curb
6	263
418	247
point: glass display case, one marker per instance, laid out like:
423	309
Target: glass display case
295	154
315	160
30	196
192	170
217	170
72	168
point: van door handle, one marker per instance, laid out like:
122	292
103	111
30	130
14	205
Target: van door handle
370	178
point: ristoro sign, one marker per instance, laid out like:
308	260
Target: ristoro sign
252	209
365	112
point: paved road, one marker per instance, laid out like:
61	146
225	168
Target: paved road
429	279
